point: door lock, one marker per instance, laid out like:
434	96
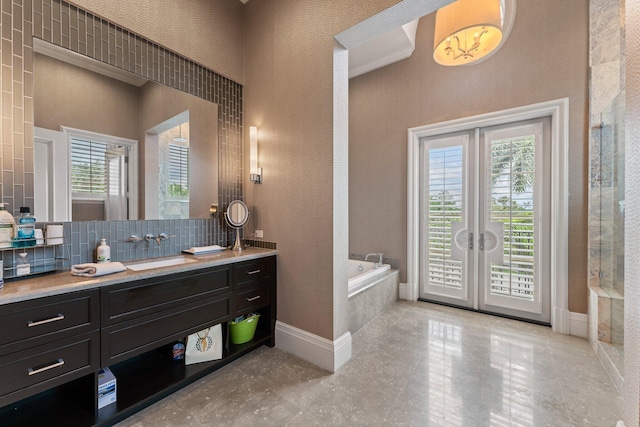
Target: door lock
470	241
481	242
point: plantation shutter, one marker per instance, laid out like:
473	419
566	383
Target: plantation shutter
178	171
512	203
88	167
445	191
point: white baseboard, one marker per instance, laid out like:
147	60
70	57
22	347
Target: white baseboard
408	291
579	324
402	291
327	354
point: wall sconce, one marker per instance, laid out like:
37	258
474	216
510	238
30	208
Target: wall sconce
254	170
467	30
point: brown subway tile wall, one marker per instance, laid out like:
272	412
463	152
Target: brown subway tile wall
68	26
259	244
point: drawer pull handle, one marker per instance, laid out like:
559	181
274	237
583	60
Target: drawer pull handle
57	364
253	272
31	324
253	299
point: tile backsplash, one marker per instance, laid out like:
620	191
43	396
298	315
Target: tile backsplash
82	239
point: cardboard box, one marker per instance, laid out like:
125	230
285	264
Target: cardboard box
106	388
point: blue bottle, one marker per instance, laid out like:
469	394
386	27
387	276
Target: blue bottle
24	232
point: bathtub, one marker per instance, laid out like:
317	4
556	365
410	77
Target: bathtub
371	291
362	275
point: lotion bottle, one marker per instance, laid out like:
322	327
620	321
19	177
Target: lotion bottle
6	227
103	252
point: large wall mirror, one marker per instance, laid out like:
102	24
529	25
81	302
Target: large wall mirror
111	145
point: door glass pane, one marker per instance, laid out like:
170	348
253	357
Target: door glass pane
445	190
512	183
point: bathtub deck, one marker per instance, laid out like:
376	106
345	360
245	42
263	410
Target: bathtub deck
368	304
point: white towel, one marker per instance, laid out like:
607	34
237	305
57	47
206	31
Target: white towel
203	249
93	269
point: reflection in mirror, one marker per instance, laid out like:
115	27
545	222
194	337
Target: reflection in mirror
167	193
99	176
156	180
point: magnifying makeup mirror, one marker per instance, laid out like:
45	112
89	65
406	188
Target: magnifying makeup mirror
237	215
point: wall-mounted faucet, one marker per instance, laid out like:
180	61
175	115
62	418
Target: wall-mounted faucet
375	264
159	238
164	236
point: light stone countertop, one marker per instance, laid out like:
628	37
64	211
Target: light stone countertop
65	282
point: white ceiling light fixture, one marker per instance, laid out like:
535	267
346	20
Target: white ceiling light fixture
180	138
468	31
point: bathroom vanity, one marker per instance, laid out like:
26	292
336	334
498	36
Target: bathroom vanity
57	331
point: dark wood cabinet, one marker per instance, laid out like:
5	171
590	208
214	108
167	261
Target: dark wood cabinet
133	300
31	323
129	327
38	369
127	339
47	342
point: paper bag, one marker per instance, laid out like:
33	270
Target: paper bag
204	345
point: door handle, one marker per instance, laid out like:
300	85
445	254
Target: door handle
491	242
461	241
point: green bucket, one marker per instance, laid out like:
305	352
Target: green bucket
244	330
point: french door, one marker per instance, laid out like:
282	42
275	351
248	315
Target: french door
485	219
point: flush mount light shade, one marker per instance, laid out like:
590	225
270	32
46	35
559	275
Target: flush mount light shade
466	31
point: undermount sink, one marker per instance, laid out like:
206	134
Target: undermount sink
160	263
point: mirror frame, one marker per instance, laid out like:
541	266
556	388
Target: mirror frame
234	206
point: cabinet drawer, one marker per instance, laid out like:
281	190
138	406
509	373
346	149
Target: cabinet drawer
132	300
252	298
124	340
250	272
34	322
37	369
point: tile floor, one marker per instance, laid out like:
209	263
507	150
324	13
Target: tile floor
417	364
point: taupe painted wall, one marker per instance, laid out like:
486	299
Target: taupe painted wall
208	32
289	95
66	95
545	58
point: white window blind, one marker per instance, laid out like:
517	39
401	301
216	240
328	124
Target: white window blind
178	171
88	166
512	203
445	189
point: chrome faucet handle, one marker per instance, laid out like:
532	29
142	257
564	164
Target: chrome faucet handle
149	237
134	238
379	255
163	236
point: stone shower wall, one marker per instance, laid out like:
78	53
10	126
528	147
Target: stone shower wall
606	169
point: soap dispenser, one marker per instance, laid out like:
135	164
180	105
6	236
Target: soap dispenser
103	252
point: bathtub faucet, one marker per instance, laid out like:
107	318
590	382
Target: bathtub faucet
375	264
